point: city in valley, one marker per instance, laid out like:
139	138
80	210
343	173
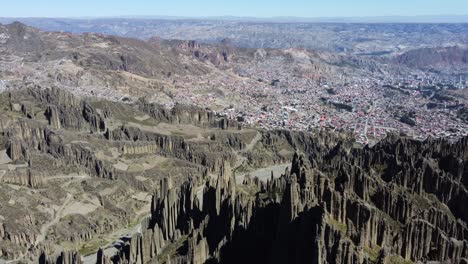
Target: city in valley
413	89
369	107
233	139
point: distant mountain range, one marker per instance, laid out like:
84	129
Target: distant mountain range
367	36
369	19
93	124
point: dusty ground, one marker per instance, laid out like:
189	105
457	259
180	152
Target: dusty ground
264	173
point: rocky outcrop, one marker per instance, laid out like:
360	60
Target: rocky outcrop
16	150
318	142
186	114
101	258
93	117
366	205
27	110
217	55
28	135
53	117
65	141
66	257
65	110
136	141
24	177
12	239
398	200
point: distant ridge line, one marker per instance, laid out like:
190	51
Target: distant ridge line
285	19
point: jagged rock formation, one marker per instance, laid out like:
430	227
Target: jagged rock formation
53	117
67	257
217	55
24	238
24	177
401	200
211	154
34	136
65	110
16	149
74	169
186	114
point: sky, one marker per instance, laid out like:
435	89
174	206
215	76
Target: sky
243	8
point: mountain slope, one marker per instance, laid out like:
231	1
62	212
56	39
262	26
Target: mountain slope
431	57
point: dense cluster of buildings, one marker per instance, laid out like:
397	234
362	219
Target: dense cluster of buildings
282	97
370	108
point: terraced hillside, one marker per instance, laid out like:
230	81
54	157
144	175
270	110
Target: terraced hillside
80	173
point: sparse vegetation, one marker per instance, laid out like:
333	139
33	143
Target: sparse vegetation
372	253
339	226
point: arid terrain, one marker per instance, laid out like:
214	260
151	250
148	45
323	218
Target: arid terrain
163	149
420	92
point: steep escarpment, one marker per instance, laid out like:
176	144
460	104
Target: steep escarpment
65	110
29	135
76	173
186	114
399	201
136	141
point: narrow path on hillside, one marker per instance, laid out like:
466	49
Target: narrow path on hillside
58	215
248	147
73	177
254	142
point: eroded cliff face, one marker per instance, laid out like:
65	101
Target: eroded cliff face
400	201
74	170
186	114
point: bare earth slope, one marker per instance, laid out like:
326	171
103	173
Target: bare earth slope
119	150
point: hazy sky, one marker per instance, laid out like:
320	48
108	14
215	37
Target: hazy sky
252	8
